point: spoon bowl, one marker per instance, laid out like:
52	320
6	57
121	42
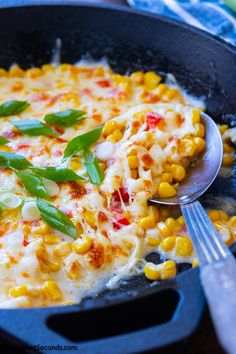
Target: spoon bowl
201	173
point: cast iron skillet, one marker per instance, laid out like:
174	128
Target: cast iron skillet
138	316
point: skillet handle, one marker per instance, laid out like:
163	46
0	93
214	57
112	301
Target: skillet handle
27	329
31	326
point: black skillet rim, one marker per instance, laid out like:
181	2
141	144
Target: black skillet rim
119	8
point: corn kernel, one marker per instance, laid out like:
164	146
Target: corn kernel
224	216
73	271
75	164
165	190
133	161
172	224
227	160
52	239
3	73
54	266
137	77
148	222
152	241
232	221
168	270
154	211
166	177
195	263
79	228
20	290
187	147
178	172
134	174
63	249
82	244
90	218
181	220
200	144
196	117
167	166
115	136
132	152
5	148
199	130
223	128
41	252
120	79
33	73
218	215
151	80
65	66
18	86
168	243
183	247
152	271
51	291
99	71
68	303
47	67
165	231
214	215
16	71
228	149
102	166
161	89
42	229
26	229
172	93
109	127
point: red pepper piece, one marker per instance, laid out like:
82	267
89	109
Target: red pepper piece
152	120
123	194
22	146
119	223
104	83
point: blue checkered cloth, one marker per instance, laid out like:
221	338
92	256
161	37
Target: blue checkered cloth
213	16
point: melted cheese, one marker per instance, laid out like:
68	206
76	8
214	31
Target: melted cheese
25	256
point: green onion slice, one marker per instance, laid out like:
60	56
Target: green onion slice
10	108
32	183
57	173
65	118
10	159
34	127
82	142
56	218
3	140
92	167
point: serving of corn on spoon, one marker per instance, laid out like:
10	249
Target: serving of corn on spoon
216	262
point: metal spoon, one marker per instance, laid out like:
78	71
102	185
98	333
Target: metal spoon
217	264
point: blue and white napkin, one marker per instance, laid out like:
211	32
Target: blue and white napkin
213	16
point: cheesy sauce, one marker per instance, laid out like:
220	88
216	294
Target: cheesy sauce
150	133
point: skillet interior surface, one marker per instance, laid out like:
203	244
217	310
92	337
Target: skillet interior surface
203	65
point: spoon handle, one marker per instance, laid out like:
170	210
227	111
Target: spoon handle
217	273
219	284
